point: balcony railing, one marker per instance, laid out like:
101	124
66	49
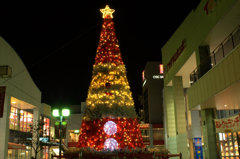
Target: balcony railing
224	48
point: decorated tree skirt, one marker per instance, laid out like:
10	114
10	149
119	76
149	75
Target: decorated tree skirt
111	134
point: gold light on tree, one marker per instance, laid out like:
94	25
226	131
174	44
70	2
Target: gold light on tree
109	97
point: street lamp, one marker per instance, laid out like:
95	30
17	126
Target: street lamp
60	113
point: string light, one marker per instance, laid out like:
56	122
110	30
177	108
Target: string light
110	120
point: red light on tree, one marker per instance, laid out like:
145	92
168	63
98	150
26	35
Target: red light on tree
110	121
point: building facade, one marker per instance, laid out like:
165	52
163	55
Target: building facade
20	106
74	125
201	82
152	101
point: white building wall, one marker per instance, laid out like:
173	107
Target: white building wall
20	86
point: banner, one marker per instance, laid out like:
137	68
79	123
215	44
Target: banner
2	97
198	148
231	124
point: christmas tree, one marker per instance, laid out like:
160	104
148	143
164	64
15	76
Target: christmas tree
110	121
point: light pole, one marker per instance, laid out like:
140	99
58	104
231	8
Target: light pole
60	113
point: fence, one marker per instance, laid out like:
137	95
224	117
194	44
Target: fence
131	156
118	156
224	48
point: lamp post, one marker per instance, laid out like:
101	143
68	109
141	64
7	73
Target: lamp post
60	113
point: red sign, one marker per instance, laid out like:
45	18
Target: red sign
209	6
176	55
161	68
231	124
2	97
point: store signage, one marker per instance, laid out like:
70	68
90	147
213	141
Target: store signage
2	97
44	139
161	69
176	55
158	76
231	124
209	6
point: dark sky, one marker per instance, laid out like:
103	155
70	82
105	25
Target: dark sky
58	41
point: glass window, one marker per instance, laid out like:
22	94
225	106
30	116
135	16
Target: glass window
20	120
45	152
46	126
229	143
13	122
26	119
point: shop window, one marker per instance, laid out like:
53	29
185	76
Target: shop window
45	152
20	120
46	126
26	120
229	143
13	122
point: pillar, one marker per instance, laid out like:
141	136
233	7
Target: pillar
170	121
4	128
209	134
203	60
180	116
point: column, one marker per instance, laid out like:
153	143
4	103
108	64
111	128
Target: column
4	128
180	115
209	134
203	60
170	120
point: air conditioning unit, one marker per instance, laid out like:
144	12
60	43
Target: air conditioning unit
5	71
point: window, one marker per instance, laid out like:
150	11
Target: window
26	119
46	126
13	123
20	119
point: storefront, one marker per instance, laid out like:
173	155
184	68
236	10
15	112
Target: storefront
201	82
20	104
228	134
18	151
229	145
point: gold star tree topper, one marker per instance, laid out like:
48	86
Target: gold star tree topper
107	12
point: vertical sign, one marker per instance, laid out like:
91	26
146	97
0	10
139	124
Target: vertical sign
198	148
161	68
2	97
143	75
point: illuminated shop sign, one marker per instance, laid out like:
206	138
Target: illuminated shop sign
158	76
143	76
176	55
161	69
144	82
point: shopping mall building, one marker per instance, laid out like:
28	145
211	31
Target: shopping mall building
202	82
20	106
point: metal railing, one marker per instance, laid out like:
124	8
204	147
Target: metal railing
223	49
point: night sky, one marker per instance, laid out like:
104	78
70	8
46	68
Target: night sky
58	41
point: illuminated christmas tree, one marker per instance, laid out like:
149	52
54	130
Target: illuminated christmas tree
110	121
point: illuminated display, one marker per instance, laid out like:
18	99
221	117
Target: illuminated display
158	76
110	144
110	128
107	12
110	121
